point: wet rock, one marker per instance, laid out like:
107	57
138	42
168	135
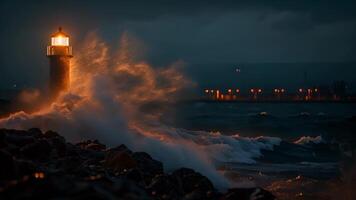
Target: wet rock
191	181
25	167
35	132
59	146
165	187
51	134
135	175
127	189
7	166
120	148
196	195
118	161
247	194
40	149
148	165
44	166
2	139
69	164
19	139
92	145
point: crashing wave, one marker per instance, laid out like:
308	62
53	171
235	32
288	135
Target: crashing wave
308	139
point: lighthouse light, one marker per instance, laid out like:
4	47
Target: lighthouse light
60	41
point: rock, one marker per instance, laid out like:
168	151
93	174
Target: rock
164	187
247	194
51	134
70	164
92	145
25	167
135	175
195	195
7	166
127	189
191	181
19	139
35	132
41	149
2	139
149	167
59	145
44	166
120	161
96	147
120	148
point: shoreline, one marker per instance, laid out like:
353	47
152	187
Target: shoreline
44	165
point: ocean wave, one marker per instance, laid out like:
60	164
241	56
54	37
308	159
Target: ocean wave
224	148
310	140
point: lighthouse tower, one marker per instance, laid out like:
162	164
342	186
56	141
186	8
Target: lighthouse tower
59	53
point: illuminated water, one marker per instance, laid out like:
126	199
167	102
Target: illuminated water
286	120
330	126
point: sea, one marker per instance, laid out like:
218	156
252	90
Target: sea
294	149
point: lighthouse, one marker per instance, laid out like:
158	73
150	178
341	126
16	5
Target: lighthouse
59	53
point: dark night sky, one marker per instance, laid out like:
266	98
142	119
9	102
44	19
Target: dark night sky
317	36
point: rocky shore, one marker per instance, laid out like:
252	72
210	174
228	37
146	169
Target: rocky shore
37	165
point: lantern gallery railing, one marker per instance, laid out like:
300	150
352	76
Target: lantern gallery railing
59	50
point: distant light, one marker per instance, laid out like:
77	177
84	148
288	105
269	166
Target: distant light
282	90
316	90
39	175
212	91
238	70
237	90
229	90
300	90
252	90
206	91
260	90
275	90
